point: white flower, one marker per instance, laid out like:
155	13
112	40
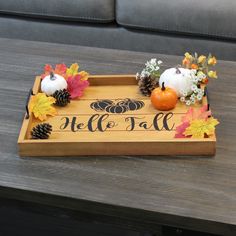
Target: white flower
185	94
200	91
182	99
188	103
193	72
192	97
201	75
195	79
193	87
144	73
192	100
199	79
153	61
147	64
151	67
199	97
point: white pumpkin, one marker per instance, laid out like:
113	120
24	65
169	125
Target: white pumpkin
53	82
179	79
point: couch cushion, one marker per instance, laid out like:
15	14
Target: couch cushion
214	18
100	11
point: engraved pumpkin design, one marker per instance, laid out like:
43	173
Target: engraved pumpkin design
132	104
100	105
116	108
119	107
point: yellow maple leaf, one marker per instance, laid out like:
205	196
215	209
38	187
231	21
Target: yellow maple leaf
72	70
41	106
84	75
198	128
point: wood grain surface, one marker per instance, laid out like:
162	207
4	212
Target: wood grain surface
191	192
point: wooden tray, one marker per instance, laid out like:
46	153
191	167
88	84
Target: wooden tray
84	128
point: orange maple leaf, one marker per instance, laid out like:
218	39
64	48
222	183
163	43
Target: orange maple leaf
60	69
193	114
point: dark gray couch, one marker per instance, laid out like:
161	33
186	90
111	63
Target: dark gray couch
163	26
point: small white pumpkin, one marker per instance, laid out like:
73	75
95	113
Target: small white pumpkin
179	79
53	82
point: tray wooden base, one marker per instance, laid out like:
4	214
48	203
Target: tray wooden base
101	124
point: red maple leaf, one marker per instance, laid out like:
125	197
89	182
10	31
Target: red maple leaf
181	129
76	86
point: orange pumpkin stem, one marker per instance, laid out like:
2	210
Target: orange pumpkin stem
163	88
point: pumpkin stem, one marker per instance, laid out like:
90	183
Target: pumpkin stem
177	70
52	77
163	86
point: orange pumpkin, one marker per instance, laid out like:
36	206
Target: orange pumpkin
164	98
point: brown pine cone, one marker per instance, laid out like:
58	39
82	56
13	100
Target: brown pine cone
62	97
41	131
146	84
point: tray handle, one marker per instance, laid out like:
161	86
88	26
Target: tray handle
27	103
206	93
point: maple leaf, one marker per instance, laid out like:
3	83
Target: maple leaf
72	70
76	86
41	106
181	129
193	114
84	75
60	69
201	127
48	68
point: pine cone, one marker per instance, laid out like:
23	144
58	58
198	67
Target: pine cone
146	85
62	97
41	131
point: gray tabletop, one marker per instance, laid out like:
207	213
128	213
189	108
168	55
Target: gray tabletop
192	192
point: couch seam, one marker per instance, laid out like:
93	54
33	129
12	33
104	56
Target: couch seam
54	15
167	29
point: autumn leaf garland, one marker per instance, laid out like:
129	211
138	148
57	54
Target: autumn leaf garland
41	105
